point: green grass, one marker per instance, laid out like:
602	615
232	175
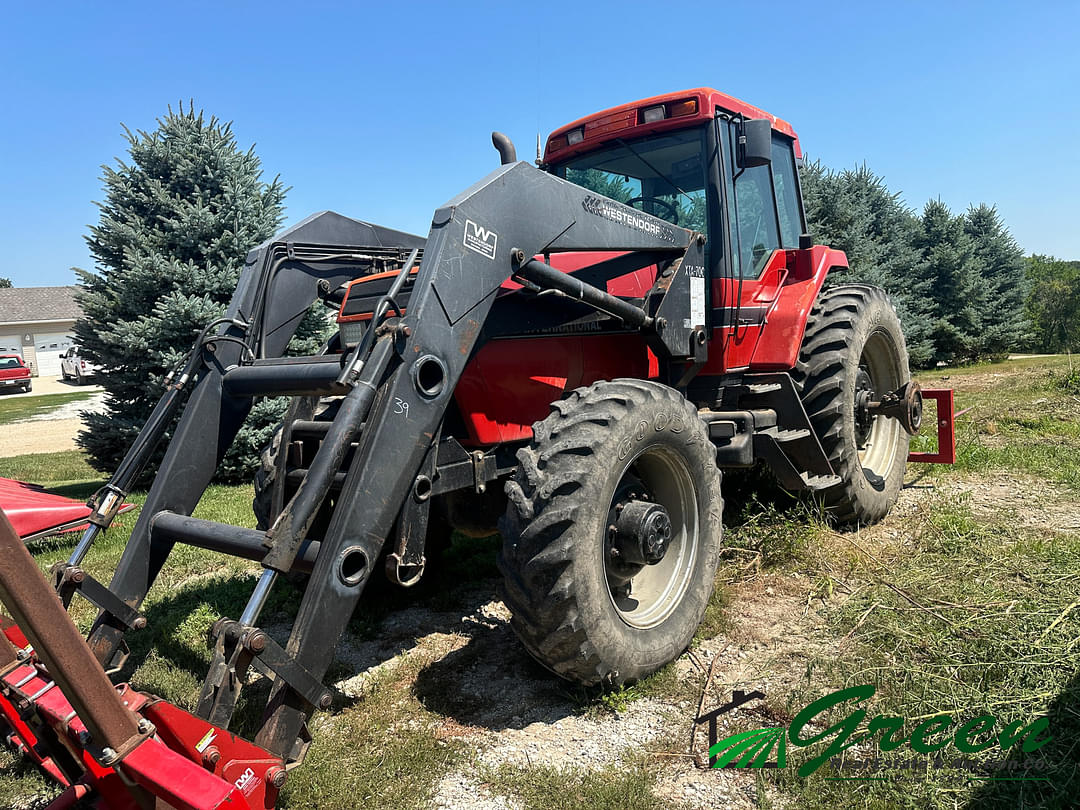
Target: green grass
14	410
50	469
965	613
1019	415
388	753
966	617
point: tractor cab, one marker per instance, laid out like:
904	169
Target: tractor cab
698	159
705	161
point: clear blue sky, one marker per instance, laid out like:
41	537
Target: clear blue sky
383	111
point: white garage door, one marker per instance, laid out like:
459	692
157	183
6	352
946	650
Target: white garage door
10	344
48	348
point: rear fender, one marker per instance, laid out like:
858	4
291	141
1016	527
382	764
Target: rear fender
778	347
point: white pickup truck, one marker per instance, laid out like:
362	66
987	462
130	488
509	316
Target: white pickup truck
74	367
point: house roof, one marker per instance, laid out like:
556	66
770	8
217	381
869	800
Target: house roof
38	304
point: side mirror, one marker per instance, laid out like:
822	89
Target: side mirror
755	143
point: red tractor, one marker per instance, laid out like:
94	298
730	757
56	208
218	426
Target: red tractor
573	354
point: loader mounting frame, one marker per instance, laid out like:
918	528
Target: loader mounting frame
396	386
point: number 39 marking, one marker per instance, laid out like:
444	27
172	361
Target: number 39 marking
401	406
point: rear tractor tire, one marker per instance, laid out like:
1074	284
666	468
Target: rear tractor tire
853	343
612	532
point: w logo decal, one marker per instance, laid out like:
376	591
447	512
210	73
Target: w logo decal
480	240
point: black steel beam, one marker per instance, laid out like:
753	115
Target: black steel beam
549	277
235	541
291	379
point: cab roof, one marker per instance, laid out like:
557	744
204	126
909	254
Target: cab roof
626	121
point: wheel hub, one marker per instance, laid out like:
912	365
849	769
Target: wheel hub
905	405
639	535
864	395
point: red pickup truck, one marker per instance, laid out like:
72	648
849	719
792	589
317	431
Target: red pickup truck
13	373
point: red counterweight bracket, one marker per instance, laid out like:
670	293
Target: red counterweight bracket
946	429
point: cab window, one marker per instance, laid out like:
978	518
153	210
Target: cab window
763	204
785	183
751	211
663	175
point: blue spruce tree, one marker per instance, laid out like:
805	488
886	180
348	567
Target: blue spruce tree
177	220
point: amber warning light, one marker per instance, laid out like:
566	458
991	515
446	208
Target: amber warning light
606	124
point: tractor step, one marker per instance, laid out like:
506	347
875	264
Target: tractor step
819	482
758	389
781	436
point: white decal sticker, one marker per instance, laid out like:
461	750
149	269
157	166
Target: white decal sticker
697	295
480	240
247	782
204	743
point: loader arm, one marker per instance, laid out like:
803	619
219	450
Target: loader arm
516	208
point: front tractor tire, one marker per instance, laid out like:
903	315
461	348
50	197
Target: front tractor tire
853	344
612	532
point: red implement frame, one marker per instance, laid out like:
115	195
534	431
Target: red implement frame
110	746
946	428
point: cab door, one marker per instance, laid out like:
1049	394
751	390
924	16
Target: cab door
763	218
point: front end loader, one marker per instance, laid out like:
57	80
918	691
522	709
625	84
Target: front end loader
550	359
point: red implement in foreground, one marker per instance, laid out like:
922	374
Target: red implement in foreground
125	747
35	513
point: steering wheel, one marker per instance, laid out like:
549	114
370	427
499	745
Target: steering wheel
672	210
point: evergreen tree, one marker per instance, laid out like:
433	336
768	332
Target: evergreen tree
854	211
1053	304
1004	326
956	284
5	283
175	225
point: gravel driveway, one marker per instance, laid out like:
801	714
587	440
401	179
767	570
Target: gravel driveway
51	432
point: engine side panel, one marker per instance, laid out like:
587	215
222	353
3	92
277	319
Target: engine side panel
509	384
